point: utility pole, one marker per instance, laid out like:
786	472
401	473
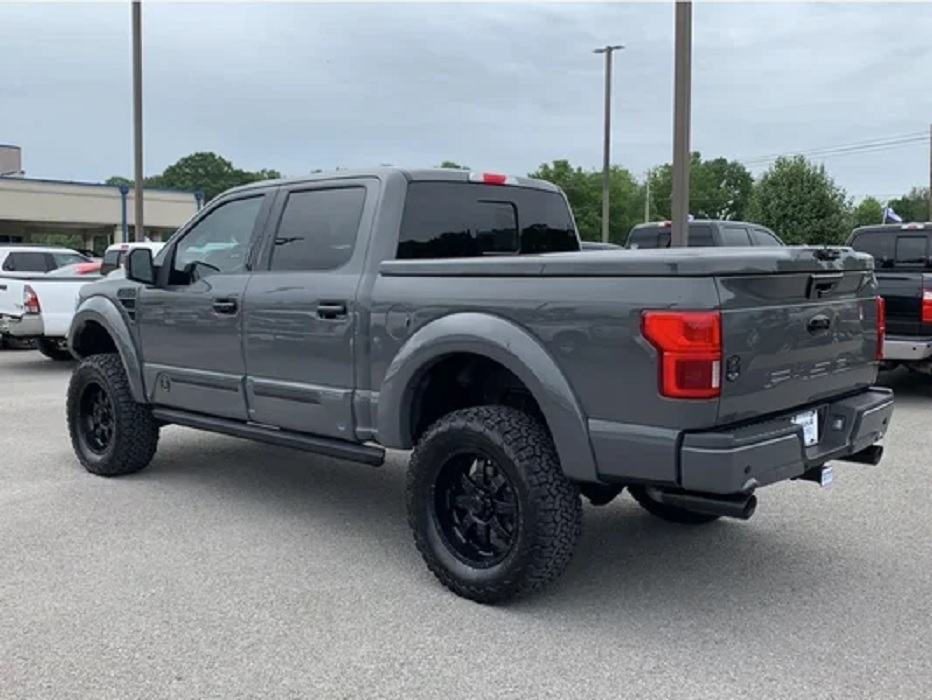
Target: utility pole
606	145
682	85
647	197
138	226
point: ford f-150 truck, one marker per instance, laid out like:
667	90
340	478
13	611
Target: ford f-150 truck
903	268
348	313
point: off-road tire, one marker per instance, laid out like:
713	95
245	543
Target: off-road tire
51	350
549	508
667	512
135	432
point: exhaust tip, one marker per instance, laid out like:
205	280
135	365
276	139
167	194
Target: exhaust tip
749	507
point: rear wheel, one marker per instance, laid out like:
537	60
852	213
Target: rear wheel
53	349
111	434
667	512
492	513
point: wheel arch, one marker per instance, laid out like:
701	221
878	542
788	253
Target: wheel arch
99	327
506	344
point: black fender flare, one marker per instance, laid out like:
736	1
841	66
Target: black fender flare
102	311
511	346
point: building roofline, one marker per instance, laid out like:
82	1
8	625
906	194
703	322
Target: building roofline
78	183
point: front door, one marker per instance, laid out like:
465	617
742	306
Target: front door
190	325
300	309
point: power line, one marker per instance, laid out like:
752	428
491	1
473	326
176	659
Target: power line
844	149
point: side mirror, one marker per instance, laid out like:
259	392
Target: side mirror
139	267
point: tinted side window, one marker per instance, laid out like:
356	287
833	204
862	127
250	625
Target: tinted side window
911	250
649	237
451	219
318	229
879	245
220	240
735	236
760	237
700	237
26	262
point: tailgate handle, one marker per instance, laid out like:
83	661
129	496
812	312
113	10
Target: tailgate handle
820	284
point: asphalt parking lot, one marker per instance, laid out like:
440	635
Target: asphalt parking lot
233	570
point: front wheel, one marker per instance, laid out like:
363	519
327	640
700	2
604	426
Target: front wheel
492	513
667	512
111	434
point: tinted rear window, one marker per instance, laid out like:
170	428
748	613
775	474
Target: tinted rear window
700	236
893	248
736	236
447	220
911	250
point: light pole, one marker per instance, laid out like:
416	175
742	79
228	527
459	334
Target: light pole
138	226
607	139
682	83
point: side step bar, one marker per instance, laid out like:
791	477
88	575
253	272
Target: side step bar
328	447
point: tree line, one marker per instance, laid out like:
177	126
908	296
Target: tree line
795	197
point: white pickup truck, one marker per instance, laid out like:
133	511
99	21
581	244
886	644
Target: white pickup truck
39	307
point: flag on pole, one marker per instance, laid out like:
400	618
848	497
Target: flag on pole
888	213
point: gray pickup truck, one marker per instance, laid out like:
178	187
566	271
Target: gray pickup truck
453	313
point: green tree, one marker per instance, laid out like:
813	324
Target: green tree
868	211
718	189
583	189
913	206
453	166
801	203
204	171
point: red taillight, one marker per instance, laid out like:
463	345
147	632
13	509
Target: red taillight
927	306
882	325
690	347
30	301
87	268
492	179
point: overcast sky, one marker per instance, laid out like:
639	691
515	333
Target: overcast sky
507	86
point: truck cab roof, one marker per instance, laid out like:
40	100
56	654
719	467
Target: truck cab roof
409	174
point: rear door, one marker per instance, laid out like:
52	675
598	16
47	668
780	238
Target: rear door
300	311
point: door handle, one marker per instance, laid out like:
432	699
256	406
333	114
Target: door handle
331	309
225	306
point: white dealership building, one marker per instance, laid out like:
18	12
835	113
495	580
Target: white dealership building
31	207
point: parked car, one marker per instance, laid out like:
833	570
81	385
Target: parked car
903	262
393	308
704	233
31	259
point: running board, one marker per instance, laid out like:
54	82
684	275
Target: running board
328	447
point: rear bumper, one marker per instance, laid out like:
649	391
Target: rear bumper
26	326
739	460
906	349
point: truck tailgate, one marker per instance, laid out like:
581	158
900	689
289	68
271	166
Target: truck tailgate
795	338
903	293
